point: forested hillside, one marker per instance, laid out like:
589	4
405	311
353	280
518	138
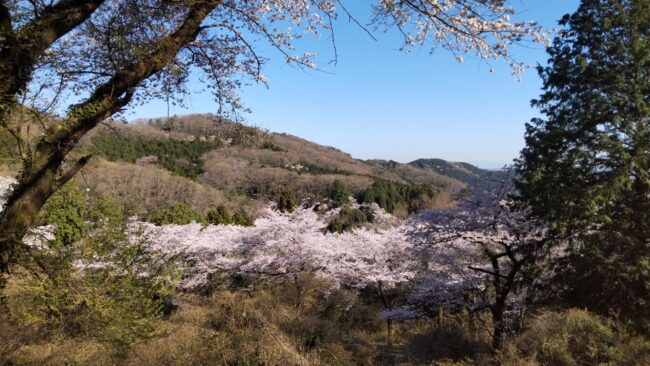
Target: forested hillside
244	167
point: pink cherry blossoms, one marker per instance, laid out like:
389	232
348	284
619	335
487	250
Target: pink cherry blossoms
285	243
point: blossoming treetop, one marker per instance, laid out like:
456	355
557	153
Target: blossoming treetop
104	55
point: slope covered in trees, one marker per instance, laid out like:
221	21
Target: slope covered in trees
243	164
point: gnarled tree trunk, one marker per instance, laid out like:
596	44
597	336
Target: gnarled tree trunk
42	172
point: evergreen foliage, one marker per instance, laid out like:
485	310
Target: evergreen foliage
349	218
317	169
66	210
240	218
221	216
586	166
179	214
391	195
339	195
287	201
178	156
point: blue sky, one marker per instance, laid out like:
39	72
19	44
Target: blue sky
378	102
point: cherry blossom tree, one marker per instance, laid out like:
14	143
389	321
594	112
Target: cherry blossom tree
287	243
67	65
479	255
279	244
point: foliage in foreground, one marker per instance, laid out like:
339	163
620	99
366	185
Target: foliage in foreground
303	320
94	278
577	337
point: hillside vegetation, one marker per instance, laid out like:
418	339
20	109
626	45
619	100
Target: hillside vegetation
204	161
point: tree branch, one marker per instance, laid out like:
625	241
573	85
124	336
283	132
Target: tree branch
22	49
486	272
6	29
54	22
65	178
109	97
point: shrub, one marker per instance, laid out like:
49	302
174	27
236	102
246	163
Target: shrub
300	320
448	339
239	218
349	218
317	169
310	318
577	337
287	201
179	214
391	195
339	195
273	147
66	210
105	285
221	215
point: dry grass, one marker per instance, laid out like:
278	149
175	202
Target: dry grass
145	188
306	321
240	175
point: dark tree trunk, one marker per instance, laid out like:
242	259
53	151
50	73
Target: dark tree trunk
498	326
42	174
20	213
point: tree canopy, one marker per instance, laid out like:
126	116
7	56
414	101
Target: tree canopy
586	166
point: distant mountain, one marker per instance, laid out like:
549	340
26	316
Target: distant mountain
463	172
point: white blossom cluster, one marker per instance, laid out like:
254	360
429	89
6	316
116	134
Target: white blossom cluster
467	247
481	28
279	243
5	185
284	243
444	253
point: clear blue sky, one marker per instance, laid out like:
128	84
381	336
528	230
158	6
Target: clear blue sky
378	102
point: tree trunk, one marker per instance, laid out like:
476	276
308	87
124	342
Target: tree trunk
498	327
389	331
42	174
21	212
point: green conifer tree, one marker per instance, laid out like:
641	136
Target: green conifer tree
287	201
586	166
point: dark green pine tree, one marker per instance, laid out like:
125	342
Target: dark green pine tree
586	166
287	201
339	194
